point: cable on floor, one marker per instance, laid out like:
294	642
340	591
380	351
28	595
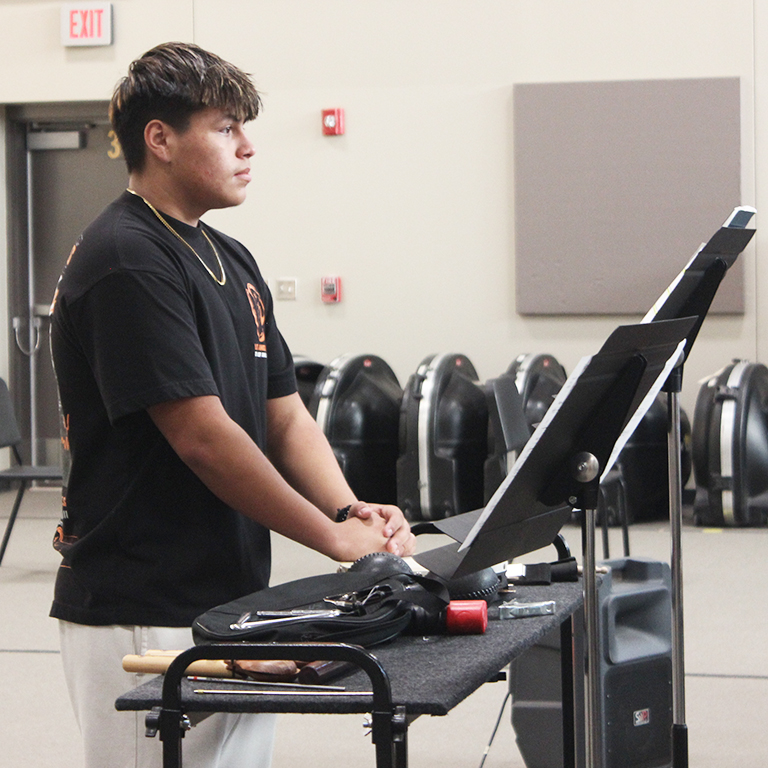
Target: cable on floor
495	728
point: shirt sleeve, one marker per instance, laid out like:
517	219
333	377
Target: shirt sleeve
282	371
141	341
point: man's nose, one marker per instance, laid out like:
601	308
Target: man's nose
247	149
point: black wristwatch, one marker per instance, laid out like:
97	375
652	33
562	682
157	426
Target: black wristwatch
343	513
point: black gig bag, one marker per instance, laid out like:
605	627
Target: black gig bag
360	607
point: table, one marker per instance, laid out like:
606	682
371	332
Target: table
406	678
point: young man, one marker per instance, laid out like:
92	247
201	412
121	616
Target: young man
187	439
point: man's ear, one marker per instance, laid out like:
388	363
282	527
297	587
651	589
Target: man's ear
156	135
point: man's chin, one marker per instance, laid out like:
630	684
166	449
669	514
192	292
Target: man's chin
228	201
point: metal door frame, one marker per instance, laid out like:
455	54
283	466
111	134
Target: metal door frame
24	317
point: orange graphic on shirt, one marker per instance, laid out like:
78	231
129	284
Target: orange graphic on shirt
259	317
65	432
56	292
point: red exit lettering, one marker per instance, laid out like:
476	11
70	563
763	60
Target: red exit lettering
85	23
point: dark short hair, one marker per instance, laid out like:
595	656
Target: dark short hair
172	82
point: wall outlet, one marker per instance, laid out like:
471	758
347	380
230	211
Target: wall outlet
286	289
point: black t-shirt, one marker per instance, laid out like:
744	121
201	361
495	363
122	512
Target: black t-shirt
137	320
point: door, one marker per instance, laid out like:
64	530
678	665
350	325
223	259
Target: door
65	166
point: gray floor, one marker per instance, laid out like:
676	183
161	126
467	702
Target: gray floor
726	654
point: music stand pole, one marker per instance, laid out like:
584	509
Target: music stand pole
587	473
679	728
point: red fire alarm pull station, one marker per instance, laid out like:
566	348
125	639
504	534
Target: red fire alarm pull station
333	122
330	289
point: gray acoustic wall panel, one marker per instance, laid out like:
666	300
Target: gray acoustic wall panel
617	184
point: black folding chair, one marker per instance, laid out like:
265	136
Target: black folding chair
26	474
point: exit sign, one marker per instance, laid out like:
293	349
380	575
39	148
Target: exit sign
86	24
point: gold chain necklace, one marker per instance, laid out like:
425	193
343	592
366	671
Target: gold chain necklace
223	278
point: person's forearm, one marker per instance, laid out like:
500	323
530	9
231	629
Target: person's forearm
301	453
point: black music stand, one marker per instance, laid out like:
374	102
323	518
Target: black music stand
690	295
560	468
588	415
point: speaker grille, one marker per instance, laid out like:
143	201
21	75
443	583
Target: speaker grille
638	714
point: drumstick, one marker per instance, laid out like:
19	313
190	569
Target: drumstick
158	665
157	662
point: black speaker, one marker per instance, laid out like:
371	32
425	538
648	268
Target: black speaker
637	717
635	667
636	664
356	402
730	447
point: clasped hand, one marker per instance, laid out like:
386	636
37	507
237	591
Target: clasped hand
401	541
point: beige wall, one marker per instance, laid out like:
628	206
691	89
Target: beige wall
413	206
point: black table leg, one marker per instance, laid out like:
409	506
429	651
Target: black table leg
389	723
